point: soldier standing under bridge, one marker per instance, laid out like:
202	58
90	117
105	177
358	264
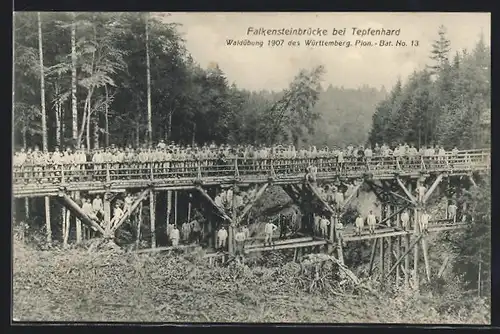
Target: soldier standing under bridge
221	238
421	192
323	224
175	236
269	229
186	231
371	221
359	224
405	218
424	221
239	239
97	206
452	212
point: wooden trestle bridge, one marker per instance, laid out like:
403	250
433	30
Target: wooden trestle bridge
392	179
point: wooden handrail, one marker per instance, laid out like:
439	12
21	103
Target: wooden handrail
463	160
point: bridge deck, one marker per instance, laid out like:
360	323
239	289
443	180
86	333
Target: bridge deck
33	181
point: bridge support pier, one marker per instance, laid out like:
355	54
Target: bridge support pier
78	222
152	215
48	227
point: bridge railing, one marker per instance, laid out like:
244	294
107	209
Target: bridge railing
280	167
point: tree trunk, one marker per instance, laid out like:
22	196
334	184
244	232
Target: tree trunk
170	124
74	109
96	131
58	108
25	144
42	86
87	141
148	78
137	135
193	140
106	120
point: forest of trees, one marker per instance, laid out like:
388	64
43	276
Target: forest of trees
446	103
94	79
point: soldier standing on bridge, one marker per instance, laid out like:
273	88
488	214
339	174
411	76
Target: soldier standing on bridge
368	154
371	220
359	224
311	173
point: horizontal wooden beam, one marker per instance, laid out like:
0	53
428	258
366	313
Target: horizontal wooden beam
281	242
164	249
287	246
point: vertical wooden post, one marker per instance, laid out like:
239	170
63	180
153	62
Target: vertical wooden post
340	250
63	222
381	258
333	237
398	248
107	211
426	259
407	257
27	208
169	206
372	256
175	208
479	275
416	229
78	221
189	208
47	220
139	223
67	227
152	216
231	226
389	241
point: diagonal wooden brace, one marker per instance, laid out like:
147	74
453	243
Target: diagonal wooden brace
432	188
407	192
417	239
393	214
219	209
351	196
134	206
318	196
70	204
392	193
247	208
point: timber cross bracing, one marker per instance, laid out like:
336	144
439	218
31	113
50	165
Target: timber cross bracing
46	180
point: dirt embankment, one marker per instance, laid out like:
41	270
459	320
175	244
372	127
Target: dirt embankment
75	285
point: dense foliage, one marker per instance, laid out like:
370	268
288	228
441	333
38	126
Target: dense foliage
447	103
96	90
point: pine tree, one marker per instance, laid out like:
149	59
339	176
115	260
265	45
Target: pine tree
440	50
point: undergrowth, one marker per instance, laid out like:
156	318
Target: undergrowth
76	284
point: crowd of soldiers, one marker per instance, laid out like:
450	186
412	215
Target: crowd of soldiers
175	152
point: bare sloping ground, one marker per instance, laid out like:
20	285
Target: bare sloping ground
75	285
